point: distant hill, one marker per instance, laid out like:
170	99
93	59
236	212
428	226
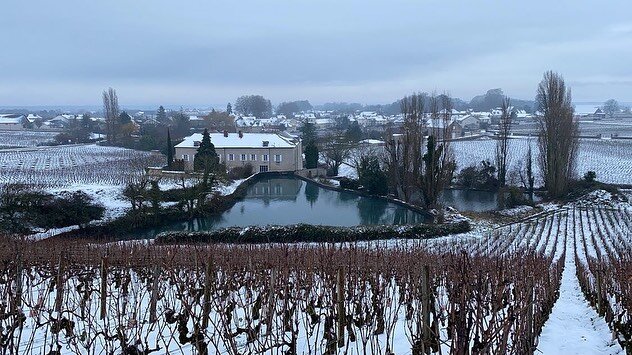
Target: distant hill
493	98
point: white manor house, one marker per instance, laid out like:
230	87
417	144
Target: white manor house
264	151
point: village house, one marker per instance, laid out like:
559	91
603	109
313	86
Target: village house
12	122
264	151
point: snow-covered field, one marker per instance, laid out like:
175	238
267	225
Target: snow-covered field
63	166
21	139
610	159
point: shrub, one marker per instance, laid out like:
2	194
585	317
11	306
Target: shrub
590	176
513	197
306	233
351	184
481	177
240	172
372	177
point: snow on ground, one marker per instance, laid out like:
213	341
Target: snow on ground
108	196
516	211
229	188
573	326
347	170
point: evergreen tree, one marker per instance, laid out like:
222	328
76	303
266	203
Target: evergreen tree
206	158
169	149
308	134
311	156
354	132
229	109
161	115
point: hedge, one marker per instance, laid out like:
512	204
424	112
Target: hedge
306	233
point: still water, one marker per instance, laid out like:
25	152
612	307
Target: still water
287	200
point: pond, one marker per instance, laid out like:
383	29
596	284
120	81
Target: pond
288	200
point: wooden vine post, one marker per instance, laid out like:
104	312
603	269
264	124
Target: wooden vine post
153	302
208	283
271	302
340	300
104	287
17	304
59	297
425	309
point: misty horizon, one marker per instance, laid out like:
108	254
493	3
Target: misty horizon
153	53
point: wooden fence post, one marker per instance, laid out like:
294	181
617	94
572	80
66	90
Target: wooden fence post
209	276
425	309
17	304
340	299
271	302
154	295
104	286
60	286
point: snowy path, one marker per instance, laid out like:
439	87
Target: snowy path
574	327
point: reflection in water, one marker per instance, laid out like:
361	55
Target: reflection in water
311	193
372	211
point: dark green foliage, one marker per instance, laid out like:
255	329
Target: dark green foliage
482	177
169	150
181	125
290	108
69	209
590	176
305	233
23	209
371	176
125	118
354	132
161	115
308	134
240	172
206	159
513	197
253	105
229	109
311	156
351	184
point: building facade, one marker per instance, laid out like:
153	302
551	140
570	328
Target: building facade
264	151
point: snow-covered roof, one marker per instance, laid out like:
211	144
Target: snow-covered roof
248	140
11	119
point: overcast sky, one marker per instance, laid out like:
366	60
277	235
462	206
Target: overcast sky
198	53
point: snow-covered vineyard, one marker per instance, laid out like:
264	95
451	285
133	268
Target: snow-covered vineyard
62	166
512	291
22	139
609	158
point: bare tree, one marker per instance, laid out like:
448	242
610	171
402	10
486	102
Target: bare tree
502	144
558	136
111	112
404	158
335	151
439	162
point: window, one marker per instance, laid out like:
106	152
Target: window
231	157
278	158
253	157
263	168
185	157
243	157
264	157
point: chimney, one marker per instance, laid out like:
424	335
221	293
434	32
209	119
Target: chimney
241	134
225	133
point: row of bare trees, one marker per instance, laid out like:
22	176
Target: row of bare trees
418	168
